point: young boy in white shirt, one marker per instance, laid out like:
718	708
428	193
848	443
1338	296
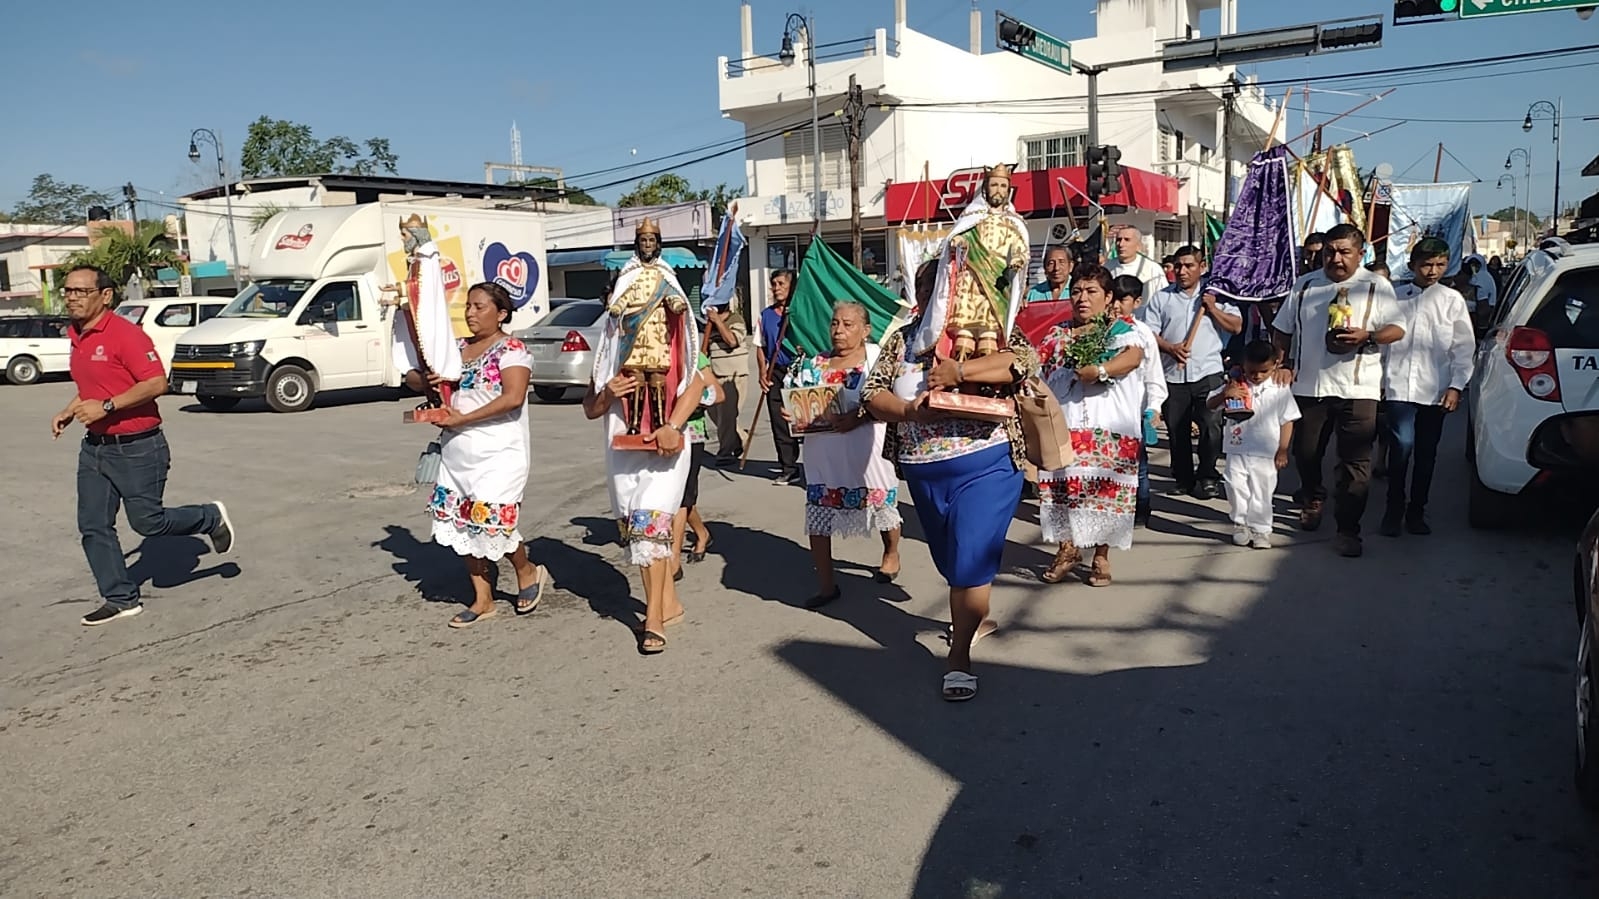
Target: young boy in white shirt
1126	295
1257	446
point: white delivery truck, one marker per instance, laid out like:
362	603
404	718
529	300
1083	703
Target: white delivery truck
310	319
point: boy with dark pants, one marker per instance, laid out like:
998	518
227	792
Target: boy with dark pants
1423	376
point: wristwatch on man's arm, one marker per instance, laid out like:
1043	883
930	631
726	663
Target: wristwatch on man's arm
109	406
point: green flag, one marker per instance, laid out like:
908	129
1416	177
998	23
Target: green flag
824	279
1213	229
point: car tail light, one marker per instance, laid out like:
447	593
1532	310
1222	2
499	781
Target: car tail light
574	343
1532	355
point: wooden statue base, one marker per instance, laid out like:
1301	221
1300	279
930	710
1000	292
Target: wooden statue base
633	442
428	416
966	405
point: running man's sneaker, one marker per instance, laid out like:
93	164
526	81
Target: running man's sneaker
222	535
108	613
1240	536
1260	540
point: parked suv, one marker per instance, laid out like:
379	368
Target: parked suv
33	346
1533	406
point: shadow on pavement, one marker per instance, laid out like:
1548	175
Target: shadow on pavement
588	575
437	572
167	562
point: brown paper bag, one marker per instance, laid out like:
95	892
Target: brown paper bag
1049	441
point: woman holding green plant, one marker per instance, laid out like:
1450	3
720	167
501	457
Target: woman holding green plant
1093	369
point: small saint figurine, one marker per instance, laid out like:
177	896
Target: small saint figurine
985	257
649	312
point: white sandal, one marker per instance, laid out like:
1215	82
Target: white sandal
959	686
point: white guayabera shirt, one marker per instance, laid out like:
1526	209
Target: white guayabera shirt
1436	353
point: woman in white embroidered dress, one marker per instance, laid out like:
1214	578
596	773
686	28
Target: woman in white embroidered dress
483	462
1094	369
850	490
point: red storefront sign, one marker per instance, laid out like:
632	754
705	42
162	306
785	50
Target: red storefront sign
1035	194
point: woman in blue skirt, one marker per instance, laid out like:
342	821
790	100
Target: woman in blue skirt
964	475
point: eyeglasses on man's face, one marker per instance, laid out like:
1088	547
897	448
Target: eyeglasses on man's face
81	291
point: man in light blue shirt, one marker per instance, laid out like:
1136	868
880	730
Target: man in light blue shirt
1189	325
1057	283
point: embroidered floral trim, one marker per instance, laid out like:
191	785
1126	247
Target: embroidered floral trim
821	521
485	369
472	516
850	497
647	525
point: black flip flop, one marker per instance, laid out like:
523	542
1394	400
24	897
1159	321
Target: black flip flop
644	636
885	577
822	599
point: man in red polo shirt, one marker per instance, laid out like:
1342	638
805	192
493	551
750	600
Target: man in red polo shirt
124	458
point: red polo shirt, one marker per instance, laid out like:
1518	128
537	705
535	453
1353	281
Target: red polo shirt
109	358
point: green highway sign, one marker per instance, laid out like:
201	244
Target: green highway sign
1473	9
1025	40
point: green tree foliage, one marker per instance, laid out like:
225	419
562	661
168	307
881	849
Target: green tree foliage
666	189
124	255
574	195
53	202
1509	214
279	147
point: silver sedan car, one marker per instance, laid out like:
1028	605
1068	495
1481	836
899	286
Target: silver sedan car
562	345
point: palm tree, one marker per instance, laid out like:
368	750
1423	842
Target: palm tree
124	256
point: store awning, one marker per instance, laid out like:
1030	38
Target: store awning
216	268
569	258
676	257
1035	193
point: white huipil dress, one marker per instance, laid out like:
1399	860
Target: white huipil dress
483	467
850	489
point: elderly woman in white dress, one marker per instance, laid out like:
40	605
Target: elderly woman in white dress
851	489
483	459
1093	366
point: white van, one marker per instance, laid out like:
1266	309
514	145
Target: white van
311	320
166	318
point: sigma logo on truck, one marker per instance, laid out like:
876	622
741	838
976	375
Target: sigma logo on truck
296	241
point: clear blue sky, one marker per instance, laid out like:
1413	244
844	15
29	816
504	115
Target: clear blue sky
590	82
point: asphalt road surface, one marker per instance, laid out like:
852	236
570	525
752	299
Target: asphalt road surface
296	720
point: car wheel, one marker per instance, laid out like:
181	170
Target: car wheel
1486	509
22	370
289	389
1587	773
219	403
549	394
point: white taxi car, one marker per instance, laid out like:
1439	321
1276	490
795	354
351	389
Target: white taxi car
1533	404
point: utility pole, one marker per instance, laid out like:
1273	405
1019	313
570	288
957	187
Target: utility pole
132	196
1438	164
1228	95
855	121
1096	245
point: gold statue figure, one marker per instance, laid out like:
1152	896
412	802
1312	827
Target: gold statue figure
641	308
985	258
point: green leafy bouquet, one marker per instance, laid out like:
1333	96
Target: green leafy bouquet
1090	344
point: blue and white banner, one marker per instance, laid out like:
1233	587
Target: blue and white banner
1429	210
721	276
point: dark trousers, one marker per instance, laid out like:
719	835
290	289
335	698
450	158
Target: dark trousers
133	476
1412	430
724	416
1185	405
1354	423
1143	479
787	444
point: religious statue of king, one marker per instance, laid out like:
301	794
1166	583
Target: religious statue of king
649	333
982	270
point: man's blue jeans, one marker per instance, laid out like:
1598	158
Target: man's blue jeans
133	476
1413	430
1143	478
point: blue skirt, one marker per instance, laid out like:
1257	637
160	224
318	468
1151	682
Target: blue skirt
965	506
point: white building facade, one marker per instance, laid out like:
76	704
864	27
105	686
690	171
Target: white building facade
27	255
936	110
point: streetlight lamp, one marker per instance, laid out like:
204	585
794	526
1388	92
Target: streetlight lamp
209	136
1515	214
796	26
1543	109
1526	158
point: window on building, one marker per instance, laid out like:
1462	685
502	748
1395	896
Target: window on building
5	275
1053	151
799	160
1168	237
1173	145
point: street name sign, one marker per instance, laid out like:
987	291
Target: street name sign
1025	40
1474	9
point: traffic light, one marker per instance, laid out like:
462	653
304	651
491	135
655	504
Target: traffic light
1016	35
1354	35
1414	12
1113	170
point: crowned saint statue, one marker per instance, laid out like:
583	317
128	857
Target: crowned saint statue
426	342
982	271
649	333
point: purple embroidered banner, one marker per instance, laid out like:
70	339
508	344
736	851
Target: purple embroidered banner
1255	258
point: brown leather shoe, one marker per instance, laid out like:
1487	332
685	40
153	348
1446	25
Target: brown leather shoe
1310	516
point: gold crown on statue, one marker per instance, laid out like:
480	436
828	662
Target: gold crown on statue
413	221
647	225
1002	170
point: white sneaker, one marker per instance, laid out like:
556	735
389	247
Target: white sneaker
1240	536
1261	540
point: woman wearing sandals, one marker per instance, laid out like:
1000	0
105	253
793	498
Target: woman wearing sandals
1094	370
850	490
483	458
688	513
964	475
